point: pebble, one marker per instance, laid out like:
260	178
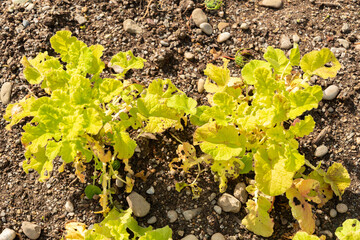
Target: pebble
223	37
328	233
321	151
296	38
222	25
331	92
244	26
25	23
118	182
152	220
338	51
357	47
190	214
150	191
212	195
317	39
217	236
345	28
199	17
131	27
80	19
206	28
221	14
240	192
321	136
164	43
341	208
172	215
344	43
19	1
31	230
7	234
69	207
285	42
272	3
30	7
229	203
5	92
189	56
190	237
201	84
217	209
138	204
333	213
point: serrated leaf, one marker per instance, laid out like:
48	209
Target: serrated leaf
195	118
93	121
258	220
350	230
303	127
39	162
278	61
304	236
226	102
304	100
182	103
61	43
92	190
324	190
248	70
17	111
338	177
127	61
109	88
220	75
160	124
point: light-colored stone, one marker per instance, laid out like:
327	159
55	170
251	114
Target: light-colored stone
321	151
357	47
80	19
164	43
217	209
200	86
131	27
119	183
296	38
344	43
342	208
189	56
138	204
345	28
19	1
217	236
152	220
30	7
338	52
199	17
240	192
5	92
285	42
7	234
206	28
229	203
31	230
69	207
272	3
244	26
190	214
333	213
222	37
331	92
172	215
190	237
222	25
150	191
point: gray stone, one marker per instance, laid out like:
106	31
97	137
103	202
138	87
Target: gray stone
172	215
223	37
190	237
296	38
164	43
206	28
25	23
321	151
240	192
150	191
217	209
190	214
69	207
138	204
131	27
7	234
272	3
345	28
285	42
344	43
5	92
342	208
189	56
152	220
199	17
217	236
80	19
31	230
229	203
333	213
331	92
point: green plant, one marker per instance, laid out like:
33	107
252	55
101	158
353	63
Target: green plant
240	60
213	4
116	225
350	230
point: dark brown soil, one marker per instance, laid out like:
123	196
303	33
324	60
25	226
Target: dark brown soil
23	198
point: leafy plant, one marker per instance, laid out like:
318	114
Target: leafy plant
116	225
350	230
213	4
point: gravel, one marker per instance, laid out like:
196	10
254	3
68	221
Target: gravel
342	208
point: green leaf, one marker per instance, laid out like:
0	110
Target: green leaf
295	55
304	127
182	103
127	61
164	233
160	124
61	43
93	121
220	75
278	61
109	88
92	190
338	177
304	236
162	88
124	145
258	220
195	118
39	162
350	230
304	100
248	70
314	62
225	102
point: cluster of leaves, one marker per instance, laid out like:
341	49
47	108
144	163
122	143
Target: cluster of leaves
116	225
213	4
252	124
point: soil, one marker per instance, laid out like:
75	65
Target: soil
317	24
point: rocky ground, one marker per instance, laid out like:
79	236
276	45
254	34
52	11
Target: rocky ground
168	34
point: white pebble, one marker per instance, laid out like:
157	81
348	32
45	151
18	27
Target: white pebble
321	151
7	234
172	215
201	88
341	208
152	220
223	37
333	213
331	92
150	191
69	207
217	236
217	209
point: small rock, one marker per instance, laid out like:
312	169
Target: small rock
229	203
217	209
164	43
321	151
217	236
212	195
296	38
119	183
328	233
190	214
285	42
206	28
189	56
244	26
152	220
317	39
357	47
240	192
190	237
272	3
19	1
7	234
198	16
223	37
186	5
345	28
221	14
331	92
222	25
131	27
150	191
31	230
138	204
30	7
80	19
25	23
201	88
69	207
172	215
338	51
5	92
333	213
344	43
341	208
321	136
